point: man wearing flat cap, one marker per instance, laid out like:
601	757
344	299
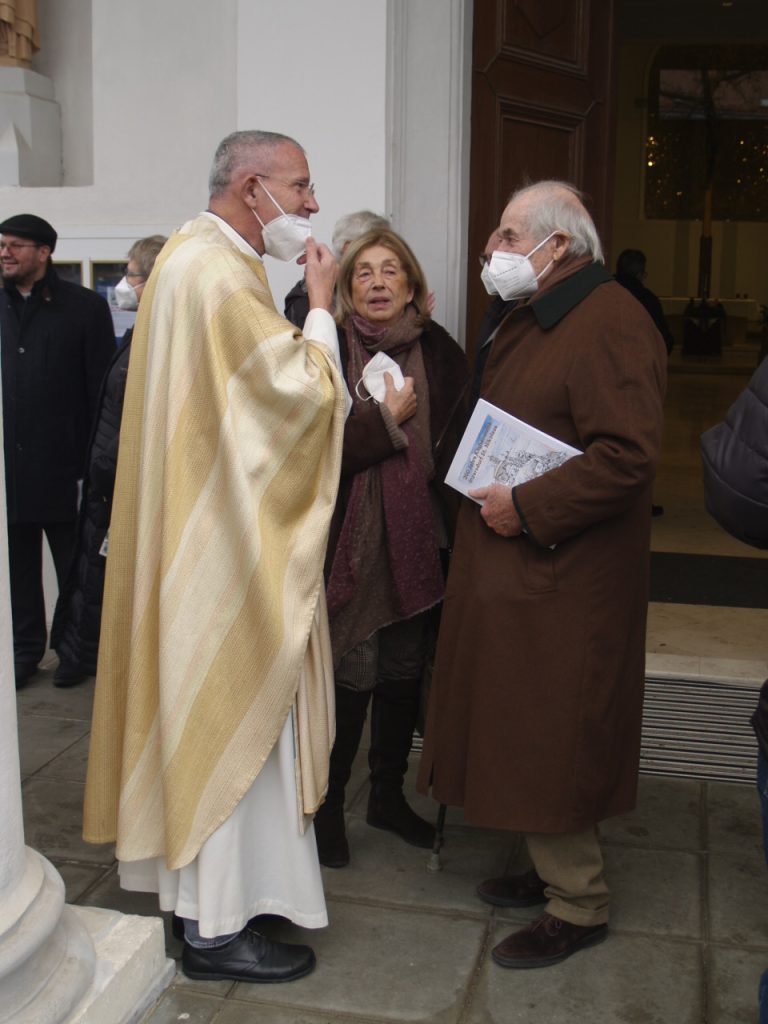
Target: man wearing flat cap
57	339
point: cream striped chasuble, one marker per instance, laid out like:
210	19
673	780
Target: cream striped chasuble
229	460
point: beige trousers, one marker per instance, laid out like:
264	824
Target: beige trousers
571	864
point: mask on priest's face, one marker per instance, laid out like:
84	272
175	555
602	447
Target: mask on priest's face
285	237
125	295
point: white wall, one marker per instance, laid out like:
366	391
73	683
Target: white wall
146	93
317	72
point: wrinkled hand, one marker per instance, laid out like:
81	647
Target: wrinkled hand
498	509
403	403
320	271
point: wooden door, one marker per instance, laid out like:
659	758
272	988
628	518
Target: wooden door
542	87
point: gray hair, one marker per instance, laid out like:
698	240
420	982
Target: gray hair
352	225
237	149
559	206
145	251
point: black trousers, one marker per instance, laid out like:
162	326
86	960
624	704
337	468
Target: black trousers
25	558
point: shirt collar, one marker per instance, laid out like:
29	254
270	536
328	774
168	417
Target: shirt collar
232	235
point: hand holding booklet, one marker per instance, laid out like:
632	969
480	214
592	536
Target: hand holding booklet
498	448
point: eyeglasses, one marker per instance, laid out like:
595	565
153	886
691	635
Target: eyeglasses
302	187
16	246
129	273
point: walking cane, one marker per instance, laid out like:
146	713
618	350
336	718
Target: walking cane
433	864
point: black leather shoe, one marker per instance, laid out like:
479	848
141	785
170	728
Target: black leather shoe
248	957
513	891
390	811
65	675
24	670
545	941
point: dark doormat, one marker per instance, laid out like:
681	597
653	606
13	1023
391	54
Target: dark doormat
709	579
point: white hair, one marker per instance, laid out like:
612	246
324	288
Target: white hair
559	206
352	225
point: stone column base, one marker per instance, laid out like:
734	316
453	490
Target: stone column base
62	964
132	969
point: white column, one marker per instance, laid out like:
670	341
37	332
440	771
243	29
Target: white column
40	947
49	952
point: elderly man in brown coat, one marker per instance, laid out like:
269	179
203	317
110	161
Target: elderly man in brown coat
536	703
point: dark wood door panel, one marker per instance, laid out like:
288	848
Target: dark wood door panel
541	108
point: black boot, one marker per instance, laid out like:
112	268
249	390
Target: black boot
393	719
330	834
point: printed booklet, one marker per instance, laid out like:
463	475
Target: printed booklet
498	448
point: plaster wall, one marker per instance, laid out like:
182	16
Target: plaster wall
318	73
672	247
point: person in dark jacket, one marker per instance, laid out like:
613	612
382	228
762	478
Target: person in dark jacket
77	622
393	518
57	340
735	462
630	273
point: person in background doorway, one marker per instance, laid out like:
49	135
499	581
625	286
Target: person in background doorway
630	273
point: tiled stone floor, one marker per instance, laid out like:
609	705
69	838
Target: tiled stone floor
689	931
689	928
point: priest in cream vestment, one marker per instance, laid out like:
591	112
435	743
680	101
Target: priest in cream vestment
213	714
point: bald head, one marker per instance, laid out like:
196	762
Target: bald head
547	207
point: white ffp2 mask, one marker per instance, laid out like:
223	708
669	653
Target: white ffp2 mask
513	274
285	237
373	377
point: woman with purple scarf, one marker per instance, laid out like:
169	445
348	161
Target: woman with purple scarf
392	525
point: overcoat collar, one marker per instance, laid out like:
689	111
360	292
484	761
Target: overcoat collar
557	302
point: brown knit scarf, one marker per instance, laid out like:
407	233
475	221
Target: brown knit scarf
386	566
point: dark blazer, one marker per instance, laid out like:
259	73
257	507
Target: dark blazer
56	346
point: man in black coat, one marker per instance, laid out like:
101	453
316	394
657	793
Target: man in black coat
57	340
630	273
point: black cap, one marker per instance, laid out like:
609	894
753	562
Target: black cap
27	225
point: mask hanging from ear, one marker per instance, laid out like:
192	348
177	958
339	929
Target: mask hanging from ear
285	237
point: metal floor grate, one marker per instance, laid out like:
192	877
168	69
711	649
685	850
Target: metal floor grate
699	729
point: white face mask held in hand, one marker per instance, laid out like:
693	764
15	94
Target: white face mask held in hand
513	274
125	295
285	237
373	377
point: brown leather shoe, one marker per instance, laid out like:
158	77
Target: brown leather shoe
545	941
513	891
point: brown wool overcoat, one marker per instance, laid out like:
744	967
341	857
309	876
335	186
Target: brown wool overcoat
536	701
